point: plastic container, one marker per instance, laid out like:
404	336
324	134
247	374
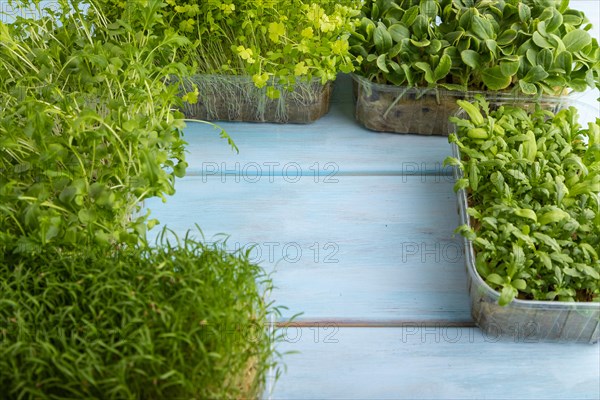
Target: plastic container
421	111
526	320
236	98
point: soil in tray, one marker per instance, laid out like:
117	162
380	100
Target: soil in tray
424	116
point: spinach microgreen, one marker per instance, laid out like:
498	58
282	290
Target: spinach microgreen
530	46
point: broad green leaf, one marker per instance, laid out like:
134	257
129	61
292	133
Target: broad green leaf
515	173
410	16
398	32
547	240
420	43
470	57
382	39
495	279
571	19
519	284
541	41
435	46
381	63
509	68
507	295
535	74
481	27
526	213
555	22
395	50
462	183
443	68
427	69
576	40
429	8
553	216
527	88
545	59
531	56
494	80
507	37
491	45
524	12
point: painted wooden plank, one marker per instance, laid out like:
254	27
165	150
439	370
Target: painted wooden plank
432	362
363	248
335	141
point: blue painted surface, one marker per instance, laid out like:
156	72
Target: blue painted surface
432	363
381	207
363	237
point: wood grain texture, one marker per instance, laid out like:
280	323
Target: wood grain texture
432	363
364	247
335	139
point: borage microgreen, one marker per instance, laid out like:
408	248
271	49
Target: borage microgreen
533	188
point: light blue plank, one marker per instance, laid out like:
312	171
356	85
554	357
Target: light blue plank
336	140
432	363
363	248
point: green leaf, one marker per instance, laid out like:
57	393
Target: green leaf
395	50
381	63
553	216
443	67
507	37
541	41
526	213
495	279
507	295
481	27
545	59
471	58
420	43
524	12
429	8
576	40
535	74
410	16
528	88
509	68
398	32
545	258
519	284
382	39
555	22
427	69
547	240
591	272
494	80
473	175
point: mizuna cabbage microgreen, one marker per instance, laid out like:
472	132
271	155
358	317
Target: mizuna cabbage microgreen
533	188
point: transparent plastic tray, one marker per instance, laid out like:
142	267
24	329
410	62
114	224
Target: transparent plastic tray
421	111
236	98
526	320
